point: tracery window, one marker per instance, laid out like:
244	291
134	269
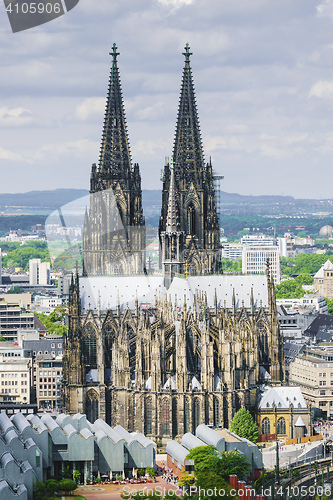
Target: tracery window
166	418
281	426
89	346
174	418
92	406
191	219
148	417
266	426
196	414
216	412
187	417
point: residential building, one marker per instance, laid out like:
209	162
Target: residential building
232	251
15	314
63	285
283	413
49	302
254	259
292	323
286	245
312	372
39	273
48	382
323	280
15	380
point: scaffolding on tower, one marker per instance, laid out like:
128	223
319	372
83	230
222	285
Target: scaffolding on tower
217	186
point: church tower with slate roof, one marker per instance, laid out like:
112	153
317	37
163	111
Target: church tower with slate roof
194	185
114	230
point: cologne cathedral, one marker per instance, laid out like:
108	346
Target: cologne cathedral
161	353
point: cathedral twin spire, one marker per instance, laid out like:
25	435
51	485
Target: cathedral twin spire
188	196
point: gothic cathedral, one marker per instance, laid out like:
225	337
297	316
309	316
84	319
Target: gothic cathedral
160	354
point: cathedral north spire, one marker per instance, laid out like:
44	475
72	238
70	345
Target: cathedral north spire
115	162
114	230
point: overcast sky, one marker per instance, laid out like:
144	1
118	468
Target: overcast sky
263	73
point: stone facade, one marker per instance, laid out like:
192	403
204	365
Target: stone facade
165	369
162	354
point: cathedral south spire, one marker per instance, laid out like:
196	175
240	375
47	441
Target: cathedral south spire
194	183
188	151
114	231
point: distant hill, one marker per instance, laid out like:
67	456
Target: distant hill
41	199
152	199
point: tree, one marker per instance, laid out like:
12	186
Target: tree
67	485
16	289
214	486
186	480
244	426
232	462
329	303
140	472
151	472
76	475
206	458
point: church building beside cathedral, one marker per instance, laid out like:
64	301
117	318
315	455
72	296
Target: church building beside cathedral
161	354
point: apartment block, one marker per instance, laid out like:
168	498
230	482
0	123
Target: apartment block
312	371
15	380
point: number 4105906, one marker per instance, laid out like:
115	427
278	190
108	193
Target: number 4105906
34	8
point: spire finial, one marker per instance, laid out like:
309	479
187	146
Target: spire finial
187	53
114	52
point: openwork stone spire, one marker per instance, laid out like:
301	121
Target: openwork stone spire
188	151
115	157
114	228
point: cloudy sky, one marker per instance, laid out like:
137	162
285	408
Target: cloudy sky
263	73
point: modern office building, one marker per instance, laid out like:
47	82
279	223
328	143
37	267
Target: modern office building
254	260
39	273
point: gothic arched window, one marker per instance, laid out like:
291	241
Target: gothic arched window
174	418
187	417
281	426
266	426
148	417
196	414
89	346
216	412
92	406
166	418
191	219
